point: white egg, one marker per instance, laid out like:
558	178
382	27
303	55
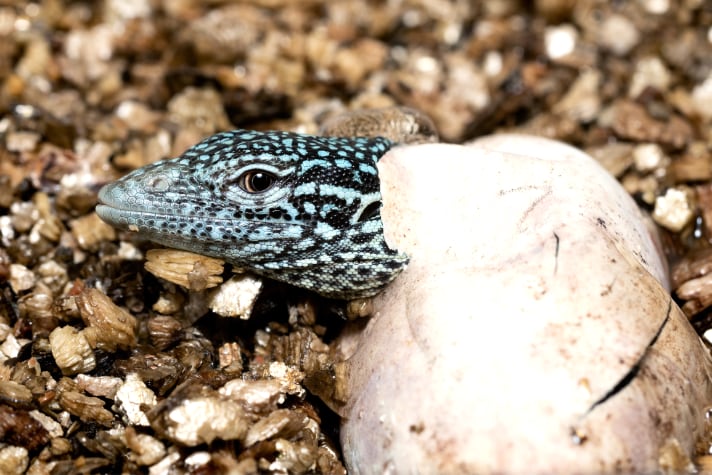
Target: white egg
532	331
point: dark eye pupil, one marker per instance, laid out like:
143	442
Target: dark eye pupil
261	181
256	181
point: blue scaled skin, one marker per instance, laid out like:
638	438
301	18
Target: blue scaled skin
296	208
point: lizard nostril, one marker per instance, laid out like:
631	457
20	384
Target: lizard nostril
159	183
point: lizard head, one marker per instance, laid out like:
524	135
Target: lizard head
297	208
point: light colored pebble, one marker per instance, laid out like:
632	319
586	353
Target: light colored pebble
13	460
36	59
21	278
696	294
359	308
197	460
103	386
71	350
201	109
230	357
166	464
22	141
673	210
90	230
560	41
53	428
168	303
7	231
129	252
85	407
109	327
136	115
656	7
60	446
702	97
615	157
673	458
236	297
201	420
293	457
40	467
5	331
282	423
57	447
126	9
289	377
647	157
646	187
619	34
15	392
582	102
64	418
466	90
49	225
92	152
189	270
92	47
649	72
257	396
492	63
53	274
11	346
145	449
133	399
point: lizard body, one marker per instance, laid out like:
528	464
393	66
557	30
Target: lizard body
296	208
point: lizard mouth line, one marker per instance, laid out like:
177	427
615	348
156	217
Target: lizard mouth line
150	221
108	212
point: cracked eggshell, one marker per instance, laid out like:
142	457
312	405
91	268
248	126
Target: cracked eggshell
532	331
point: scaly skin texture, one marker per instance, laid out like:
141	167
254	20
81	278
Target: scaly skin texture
296	208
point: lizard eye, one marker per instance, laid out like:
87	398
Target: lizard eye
256	181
